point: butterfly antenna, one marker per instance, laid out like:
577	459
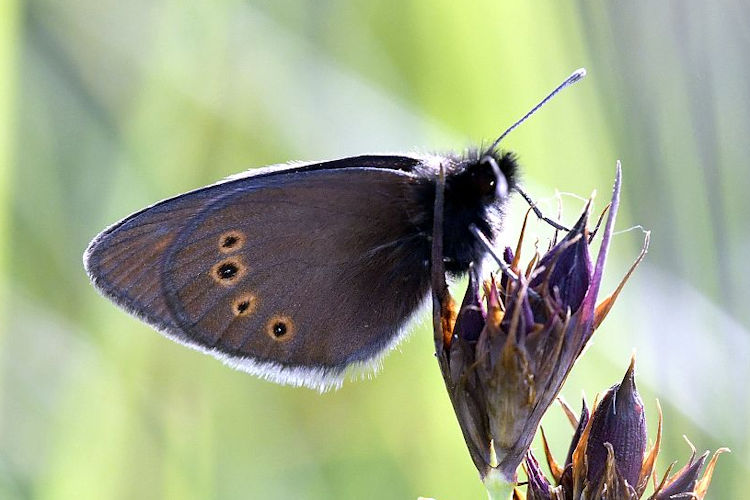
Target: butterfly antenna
577	75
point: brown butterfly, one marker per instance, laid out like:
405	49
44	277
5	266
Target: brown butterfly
297	272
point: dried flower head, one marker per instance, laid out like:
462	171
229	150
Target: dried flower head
609	459
504	359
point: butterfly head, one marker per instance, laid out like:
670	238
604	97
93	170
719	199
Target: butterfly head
493	175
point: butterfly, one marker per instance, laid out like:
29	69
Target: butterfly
299	272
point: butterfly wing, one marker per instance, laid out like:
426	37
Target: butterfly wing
294	275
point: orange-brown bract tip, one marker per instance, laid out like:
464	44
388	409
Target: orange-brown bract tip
702	486
649	462
554	467
493	297
448	319
568	410
517	256
602	310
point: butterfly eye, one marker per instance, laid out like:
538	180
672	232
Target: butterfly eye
490	179
484	178
231	241
228	272
280	328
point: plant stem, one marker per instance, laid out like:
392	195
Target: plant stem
498	486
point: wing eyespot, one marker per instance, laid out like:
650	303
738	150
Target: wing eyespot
245	305
228	272
280	328
231	241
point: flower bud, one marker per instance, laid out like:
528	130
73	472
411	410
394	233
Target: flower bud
568	269
539	488
609	460
620	421
685	482
471	319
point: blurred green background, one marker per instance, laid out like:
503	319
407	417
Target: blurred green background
107	106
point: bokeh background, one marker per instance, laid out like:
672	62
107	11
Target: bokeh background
107	106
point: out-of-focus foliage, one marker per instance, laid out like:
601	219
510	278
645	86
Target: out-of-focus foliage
108	106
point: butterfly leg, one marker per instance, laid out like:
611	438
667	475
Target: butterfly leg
439	285
599	222
553	223
538	212
504	267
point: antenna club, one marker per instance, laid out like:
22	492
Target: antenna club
578	74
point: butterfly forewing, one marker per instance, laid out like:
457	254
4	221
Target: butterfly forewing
125	260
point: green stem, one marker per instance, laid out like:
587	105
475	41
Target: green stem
498	486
